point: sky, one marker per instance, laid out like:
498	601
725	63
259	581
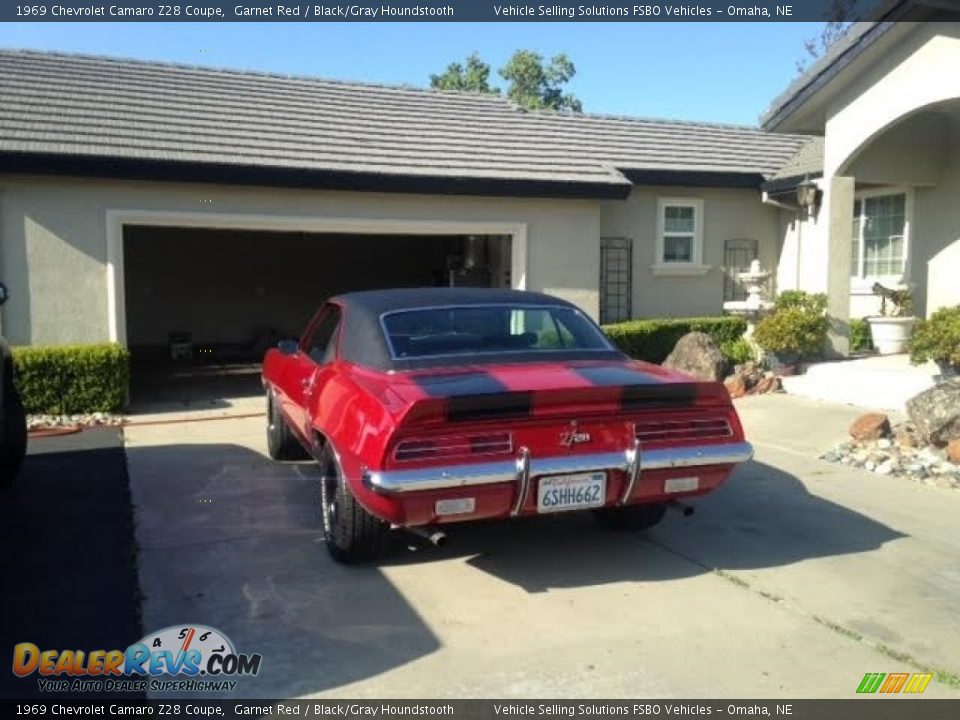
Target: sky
714	72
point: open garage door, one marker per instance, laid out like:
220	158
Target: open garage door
203	305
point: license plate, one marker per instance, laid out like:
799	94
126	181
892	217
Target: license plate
571	492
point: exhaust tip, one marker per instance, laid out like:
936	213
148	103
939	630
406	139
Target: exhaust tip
683	508
435	537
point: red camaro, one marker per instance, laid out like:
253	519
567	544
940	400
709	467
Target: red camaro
433	406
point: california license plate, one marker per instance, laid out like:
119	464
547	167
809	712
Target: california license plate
571	492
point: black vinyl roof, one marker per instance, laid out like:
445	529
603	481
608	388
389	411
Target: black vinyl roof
363	340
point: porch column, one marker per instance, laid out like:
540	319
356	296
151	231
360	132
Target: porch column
839	205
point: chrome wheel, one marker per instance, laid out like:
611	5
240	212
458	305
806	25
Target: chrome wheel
329	507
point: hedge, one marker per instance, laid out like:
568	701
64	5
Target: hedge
652	340
72	379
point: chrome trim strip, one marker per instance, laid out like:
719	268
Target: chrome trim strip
523	480
633	470
725	454
413	480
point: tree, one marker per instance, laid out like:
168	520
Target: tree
536	86
532	83
474	76
836	27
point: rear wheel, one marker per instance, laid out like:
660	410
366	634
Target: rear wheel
631	517
352	534
281	442
13	444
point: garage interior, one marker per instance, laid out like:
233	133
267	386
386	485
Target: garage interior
203	305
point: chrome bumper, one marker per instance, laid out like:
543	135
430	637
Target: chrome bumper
526	466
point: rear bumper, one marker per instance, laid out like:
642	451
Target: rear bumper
632	461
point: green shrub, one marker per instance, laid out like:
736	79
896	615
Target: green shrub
652	340
69	379
814	303
938	338
791	332
738	352
860	336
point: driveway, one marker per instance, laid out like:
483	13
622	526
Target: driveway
793	580
67	574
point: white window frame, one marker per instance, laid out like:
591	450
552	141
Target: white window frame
864	285
695	266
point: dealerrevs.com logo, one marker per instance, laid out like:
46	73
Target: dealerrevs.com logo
178	658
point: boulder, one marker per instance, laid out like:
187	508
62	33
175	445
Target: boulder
870	427
696	354
936	412
953	451
735	386
767	384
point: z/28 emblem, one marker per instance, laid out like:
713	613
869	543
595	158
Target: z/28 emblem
571	437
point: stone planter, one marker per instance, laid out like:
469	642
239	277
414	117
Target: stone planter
891	334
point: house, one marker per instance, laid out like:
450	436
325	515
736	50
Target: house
886	103
140	200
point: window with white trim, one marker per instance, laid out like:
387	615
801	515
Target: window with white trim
879	235
679	240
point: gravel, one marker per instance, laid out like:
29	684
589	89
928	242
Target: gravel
35	422
890	456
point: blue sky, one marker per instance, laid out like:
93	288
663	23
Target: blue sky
720	72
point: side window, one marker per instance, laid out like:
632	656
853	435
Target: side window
320	344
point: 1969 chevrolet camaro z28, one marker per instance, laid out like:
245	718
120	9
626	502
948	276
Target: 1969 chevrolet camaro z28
432	406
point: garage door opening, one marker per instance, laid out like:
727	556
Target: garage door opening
203	305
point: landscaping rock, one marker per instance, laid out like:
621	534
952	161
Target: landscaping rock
736	386
953	451
696	355
768	384
936	412
870	427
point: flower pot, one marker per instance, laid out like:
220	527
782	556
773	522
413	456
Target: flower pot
890	334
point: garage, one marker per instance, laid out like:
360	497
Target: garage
202	304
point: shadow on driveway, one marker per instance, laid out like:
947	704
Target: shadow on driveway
67	566
231	539
762	517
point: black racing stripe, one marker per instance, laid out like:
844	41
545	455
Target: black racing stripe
612	376
489	407
457	384
638	397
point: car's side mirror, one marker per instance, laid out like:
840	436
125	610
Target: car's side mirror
288	347
4	294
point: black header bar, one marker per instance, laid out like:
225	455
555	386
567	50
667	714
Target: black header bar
448	11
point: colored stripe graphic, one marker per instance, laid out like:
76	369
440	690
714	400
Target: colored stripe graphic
894	682
870	682
918	682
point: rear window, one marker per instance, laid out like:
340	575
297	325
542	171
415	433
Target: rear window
467	330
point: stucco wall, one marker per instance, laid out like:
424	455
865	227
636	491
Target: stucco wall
892	121
53	246
729	214
936	235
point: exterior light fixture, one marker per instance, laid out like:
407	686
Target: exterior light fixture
807	193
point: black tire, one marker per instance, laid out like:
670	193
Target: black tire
352	534
631	517
282	444
14	440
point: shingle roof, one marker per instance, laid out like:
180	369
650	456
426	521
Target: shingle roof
81	106
808	161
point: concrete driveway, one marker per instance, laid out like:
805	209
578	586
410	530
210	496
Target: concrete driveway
793	580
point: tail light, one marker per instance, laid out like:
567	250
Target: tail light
683	429
453	446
